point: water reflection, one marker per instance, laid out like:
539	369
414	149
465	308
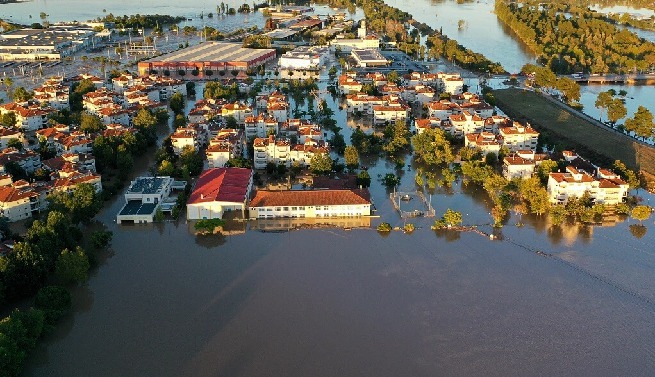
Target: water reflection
638	230
284	224
448	235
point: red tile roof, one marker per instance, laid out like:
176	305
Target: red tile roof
221	185
265	198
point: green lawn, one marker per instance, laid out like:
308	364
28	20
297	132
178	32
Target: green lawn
595	143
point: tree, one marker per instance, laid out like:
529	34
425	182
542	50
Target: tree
101	239
231	122
55	302
191	160
72	266
626	174
166	168
545	168
363	179
432	147
397	137
390	180
393	77
124	161
641	212
8	119
25	271
603	101
641	123
15	143
145	121
22	95
90	123
616	110
179	121
320	163
569	88
337	143
352	157
81	204
452	218
176	103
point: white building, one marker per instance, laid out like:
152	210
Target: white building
515	166
304	58
28	118
368	57
220	190
574	183
18	202
519	137
310	204
143	198
383	114
487	142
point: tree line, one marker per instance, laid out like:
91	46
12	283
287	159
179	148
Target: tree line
569	43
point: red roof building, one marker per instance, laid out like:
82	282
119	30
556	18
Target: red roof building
310	203
218	190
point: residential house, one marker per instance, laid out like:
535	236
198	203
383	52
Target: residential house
574	184
519	137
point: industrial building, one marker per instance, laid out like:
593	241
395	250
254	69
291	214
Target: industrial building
37	44
369	57
206	60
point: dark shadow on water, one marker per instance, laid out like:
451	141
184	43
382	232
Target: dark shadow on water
637	230
82	298
555	234
210	241
448	235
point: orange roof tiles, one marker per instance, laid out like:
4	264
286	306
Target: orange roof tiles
265	198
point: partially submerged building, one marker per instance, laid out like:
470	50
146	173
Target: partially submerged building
143	198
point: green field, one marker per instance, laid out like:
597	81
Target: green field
563	127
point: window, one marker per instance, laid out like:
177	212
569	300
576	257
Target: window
286	208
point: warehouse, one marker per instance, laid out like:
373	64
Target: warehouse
206	60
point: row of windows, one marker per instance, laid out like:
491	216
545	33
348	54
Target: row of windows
318	208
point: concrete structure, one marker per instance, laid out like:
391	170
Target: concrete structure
143	198
369	57
219	190
310	204
305	58
205	58
37	44
347	45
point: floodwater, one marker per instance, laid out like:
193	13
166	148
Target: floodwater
484	33
542	300
331	302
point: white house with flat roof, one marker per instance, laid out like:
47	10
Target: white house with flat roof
143	198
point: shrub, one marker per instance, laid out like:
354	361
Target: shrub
384	227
